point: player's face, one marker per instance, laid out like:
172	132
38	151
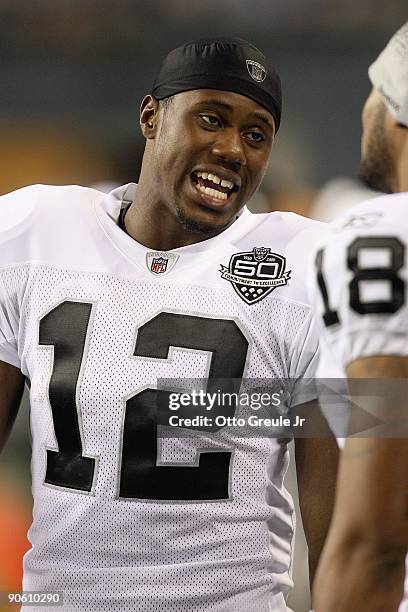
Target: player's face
376	167
210	156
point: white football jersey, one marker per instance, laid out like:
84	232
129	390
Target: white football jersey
123	520
359	287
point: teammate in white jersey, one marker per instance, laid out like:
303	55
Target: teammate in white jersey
101	296
361	297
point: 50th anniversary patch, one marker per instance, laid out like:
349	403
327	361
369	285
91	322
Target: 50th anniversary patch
256	273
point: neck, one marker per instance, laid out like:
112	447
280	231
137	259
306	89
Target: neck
150	222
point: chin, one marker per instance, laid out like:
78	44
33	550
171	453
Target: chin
375	177
203	227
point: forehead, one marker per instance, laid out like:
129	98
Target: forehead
228	101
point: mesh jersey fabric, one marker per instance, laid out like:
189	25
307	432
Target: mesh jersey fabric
378	229
67	269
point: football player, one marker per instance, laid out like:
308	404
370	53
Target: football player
101	296
361	295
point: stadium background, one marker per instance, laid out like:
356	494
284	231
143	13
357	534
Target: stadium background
73	73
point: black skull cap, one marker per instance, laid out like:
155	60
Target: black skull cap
228	64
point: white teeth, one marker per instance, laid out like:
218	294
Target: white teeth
214	193
214	178
228	184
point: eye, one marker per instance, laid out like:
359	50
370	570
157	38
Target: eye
211	120
257	137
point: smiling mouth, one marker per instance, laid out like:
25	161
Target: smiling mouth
214	186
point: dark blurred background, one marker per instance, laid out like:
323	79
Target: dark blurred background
73	73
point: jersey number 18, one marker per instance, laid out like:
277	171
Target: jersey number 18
367	274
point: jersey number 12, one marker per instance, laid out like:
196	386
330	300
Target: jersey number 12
66	328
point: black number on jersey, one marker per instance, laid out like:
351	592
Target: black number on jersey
66	328
330	317
388	273
385	273
140	476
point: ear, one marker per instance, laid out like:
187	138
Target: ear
148	116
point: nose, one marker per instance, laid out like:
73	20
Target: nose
229	148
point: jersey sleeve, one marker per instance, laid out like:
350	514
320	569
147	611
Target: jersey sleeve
16	218
305	349
359	283
304	363
8	327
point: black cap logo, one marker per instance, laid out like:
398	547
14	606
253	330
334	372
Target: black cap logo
256	71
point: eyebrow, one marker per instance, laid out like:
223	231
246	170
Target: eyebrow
257	114
263	118
215	102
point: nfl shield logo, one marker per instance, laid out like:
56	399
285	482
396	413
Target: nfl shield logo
158	265
158	262
256	71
